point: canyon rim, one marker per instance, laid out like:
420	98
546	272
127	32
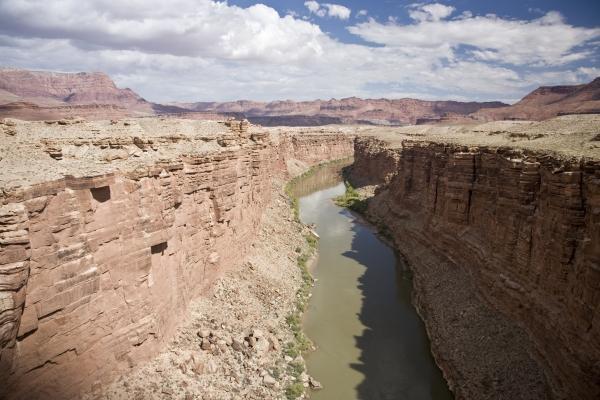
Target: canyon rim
419	219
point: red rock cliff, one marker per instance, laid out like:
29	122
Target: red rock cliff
96	271
525	226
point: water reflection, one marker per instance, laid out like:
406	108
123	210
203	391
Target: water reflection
321	178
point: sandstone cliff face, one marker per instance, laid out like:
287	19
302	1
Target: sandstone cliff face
525	226
348	110
39	95
547	102
74	88
96	271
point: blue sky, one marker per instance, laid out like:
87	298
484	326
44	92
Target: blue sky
577	12
202	50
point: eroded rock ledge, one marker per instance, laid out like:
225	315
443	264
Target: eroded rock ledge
109	229
489	227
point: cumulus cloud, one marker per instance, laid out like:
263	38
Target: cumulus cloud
548	40
315	8
362	13
337	11
429	12
181	27
205	50
328	9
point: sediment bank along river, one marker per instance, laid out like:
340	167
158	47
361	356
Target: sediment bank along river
371	343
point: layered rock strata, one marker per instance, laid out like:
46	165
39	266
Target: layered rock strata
109	230
489	227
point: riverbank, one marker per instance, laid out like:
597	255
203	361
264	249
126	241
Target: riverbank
481	353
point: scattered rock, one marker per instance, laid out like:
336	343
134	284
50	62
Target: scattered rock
206	345
268	380
237	345
314	384
262	346
211	367
257	333
204	333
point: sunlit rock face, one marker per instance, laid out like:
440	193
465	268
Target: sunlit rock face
98	265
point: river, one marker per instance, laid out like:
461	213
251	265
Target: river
371	343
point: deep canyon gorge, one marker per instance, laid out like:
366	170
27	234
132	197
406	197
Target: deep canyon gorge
109	231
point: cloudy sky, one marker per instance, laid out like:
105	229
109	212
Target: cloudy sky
201	50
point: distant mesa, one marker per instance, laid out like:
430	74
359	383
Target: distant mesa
36	95
547	102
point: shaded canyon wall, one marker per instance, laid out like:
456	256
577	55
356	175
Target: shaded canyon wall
96	272
524	226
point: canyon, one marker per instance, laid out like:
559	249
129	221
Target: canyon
109	230
498	221
120	242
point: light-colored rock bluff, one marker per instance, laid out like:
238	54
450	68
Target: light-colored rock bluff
109	229
517	223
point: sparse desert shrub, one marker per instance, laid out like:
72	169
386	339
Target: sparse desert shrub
294	391
351	199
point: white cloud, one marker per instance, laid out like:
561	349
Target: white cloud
544	41
337	11
430	12
182	28
203	50
315	8
362	13
328	9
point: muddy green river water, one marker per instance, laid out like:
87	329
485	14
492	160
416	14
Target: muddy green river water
371	344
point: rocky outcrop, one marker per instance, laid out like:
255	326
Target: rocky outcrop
96	269
40	95
547	102
519	229
32	112
72	88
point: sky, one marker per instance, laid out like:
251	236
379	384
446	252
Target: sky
203	50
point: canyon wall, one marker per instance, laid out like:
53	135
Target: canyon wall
96	271
524	226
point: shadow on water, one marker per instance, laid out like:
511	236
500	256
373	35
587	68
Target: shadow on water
371	342
395	357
